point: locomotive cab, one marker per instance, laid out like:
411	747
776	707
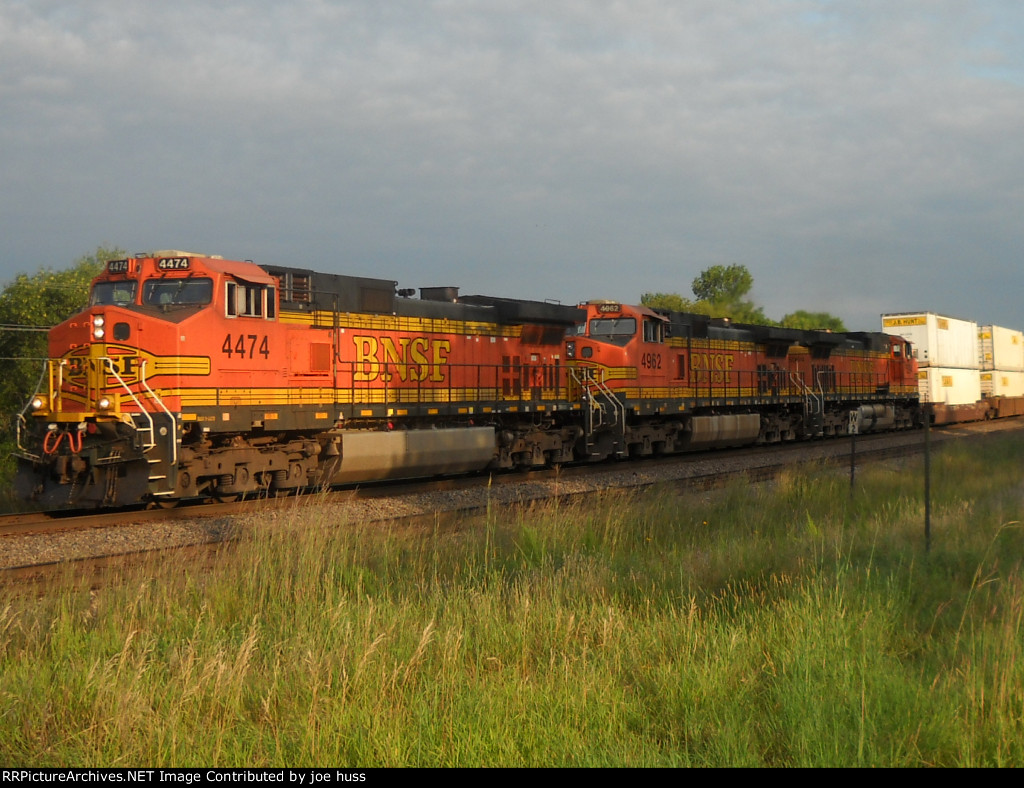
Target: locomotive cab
144	315
618	343
106	424
615	333
902	365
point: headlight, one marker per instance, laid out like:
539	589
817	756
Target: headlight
98	321
570	350
98	333
97	326
38	403
104	403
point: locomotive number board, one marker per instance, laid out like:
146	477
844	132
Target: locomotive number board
172	264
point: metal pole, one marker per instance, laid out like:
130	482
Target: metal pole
853	461
853	427
927	478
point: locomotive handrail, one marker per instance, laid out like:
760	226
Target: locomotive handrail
818	378
808	392
620	409
54	368
586	380
391	383
108	362
57	392
398	384
21	416
165	409
145	413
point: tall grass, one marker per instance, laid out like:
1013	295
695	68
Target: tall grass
789	624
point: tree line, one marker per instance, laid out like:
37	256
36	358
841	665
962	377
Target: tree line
29	306
721	291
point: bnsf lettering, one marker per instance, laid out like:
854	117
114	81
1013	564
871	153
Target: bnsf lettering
720	362
407	358
125	367
711	367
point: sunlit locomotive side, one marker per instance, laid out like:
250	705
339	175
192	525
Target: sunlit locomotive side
657	382
191	376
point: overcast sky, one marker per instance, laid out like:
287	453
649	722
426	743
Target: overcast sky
858	156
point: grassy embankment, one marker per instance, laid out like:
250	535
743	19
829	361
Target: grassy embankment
783	626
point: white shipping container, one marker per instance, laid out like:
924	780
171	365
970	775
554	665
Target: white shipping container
950	385
1001	348
938	341
1002	383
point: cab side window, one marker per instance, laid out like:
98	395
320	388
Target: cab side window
654	331
249	300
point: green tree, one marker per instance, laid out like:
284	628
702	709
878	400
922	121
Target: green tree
723	284
721	291
745	312
820	320
672	302
723	288
29	306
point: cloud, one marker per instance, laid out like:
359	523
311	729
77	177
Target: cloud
846	152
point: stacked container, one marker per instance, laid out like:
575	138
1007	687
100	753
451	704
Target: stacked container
947	352
1001	351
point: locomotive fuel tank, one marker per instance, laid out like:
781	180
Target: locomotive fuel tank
875	417
365	455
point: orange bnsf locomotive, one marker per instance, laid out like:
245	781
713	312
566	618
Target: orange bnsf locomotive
191	376
665	381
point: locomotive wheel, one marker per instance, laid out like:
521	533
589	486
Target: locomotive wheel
272	484
227	482
164	503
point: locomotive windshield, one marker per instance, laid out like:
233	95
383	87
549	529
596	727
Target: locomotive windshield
163	292
117	293
613	329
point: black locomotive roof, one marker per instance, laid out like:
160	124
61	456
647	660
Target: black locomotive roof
305	289
777	339
871	340
514	311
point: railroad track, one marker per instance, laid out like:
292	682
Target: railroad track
212	522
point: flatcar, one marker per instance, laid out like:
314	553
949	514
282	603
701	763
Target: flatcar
191	376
